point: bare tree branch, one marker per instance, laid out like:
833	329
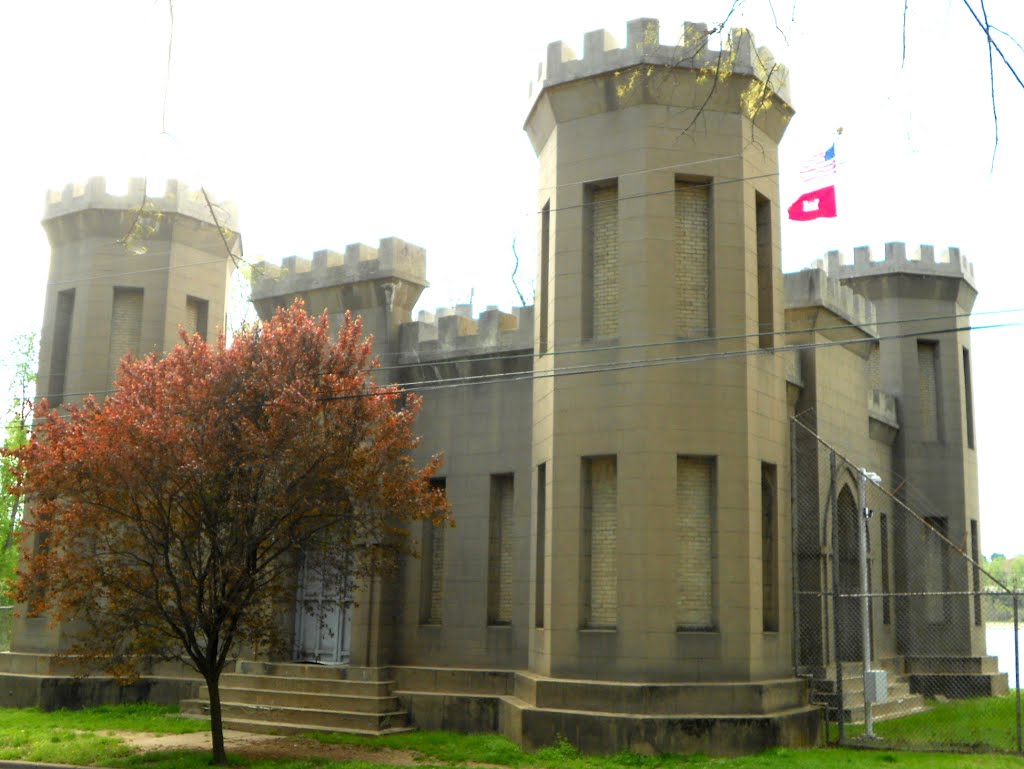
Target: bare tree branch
776	20
903	60
167	76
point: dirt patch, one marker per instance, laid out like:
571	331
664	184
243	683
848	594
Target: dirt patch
266	746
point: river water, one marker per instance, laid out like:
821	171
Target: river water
999	642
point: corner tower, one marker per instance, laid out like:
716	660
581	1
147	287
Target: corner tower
661	517
126	272
924	300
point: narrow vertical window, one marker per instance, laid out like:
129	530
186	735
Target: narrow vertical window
125	326
694	530
197	313
598	562
499	560
538	591
976	573
432	568
601	261
883	546
968	399
61	345
692	253
935	570
928	389
769	547
765	272
545	256
875	367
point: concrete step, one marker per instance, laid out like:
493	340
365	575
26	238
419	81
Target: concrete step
853	687
284	698
307	719
896	707
303	684
272	727
313	670
960	685
963	665
658	699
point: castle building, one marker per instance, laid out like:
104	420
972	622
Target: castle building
643	536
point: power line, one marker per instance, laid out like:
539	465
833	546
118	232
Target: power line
923	521
471	355
517	376
443	383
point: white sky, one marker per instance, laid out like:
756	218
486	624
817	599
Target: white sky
337	122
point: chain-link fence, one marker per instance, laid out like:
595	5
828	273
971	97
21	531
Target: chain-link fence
908	639
6	618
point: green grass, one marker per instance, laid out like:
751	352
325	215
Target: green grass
157	719
982	724
74	736
80	738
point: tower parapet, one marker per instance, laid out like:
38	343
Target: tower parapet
394	258
177	197
922	261
816	288
457	334
602	54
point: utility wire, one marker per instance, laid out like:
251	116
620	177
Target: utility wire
482	354
923	521
443	383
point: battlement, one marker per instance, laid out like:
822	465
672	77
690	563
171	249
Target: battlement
177	197
454	333
601	54
922	261
816	288
393	258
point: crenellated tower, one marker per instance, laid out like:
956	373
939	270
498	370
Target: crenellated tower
127	273
381	285
660	518
924	300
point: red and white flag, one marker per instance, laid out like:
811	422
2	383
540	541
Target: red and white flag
820	204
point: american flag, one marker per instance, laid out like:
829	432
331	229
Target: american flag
819	165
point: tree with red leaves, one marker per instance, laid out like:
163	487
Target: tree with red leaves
169	519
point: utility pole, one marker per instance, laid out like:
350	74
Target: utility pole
870	679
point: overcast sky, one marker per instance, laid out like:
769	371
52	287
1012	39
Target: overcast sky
334	122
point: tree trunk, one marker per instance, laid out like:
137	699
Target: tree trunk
220	756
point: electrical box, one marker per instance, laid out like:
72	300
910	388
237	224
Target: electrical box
876	686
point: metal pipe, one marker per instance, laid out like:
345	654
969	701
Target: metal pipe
1016	665
865	597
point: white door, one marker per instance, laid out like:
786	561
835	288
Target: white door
323	628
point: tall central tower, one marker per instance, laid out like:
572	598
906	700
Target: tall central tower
661	516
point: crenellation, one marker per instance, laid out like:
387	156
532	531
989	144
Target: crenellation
923	260
359	252
177	197
643	46
817	288
296	264
325	259
394	258
454	333
882	407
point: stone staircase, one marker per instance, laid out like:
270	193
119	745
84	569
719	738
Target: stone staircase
284	698
902	701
